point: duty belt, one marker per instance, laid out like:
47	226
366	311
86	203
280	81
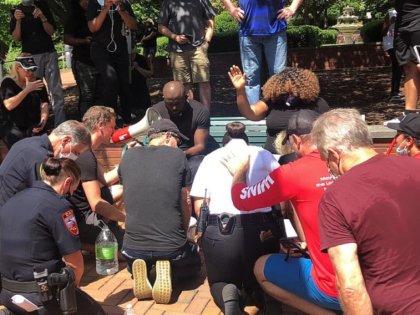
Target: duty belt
243	219
19	286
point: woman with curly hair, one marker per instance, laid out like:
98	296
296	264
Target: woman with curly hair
285	93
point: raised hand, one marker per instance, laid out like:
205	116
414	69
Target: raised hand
285	13
38	14
34	85
238	79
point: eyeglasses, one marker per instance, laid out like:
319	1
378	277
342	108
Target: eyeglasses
27	70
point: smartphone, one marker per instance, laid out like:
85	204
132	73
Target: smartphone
189	37
40	124
416	50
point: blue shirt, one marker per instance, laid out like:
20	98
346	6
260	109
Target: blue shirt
21	167
260	17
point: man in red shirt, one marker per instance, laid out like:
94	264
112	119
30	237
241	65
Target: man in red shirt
308	285
408	135
368	219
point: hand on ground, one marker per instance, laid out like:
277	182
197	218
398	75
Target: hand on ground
238	79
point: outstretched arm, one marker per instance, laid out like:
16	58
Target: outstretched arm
255	112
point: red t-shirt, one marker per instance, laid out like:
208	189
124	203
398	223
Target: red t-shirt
417	156
303	182
376	204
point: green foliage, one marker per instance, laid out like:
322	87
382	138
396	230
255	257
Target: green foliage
304	36
371	32
224	42
224	22
162	47
219	7
329	37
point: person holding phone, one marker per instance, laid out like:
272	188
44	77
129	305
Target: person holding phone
109	51
24	102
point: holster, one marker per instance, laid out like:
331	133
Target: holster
66	289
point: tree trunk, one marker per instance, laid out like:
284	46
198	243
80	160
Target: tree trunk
325	18
306	13
3	49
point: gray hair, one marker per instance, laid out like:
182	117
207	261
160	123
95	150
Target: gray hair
342	129
76	130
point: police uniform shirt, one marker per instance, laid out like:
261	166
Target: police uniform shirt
38	226
21	167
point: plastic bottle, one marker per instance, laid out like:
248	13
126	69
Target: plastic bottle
129	310
106	250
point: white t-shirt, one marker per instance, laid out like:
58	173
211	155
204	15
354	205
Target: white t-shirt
216	178
388	40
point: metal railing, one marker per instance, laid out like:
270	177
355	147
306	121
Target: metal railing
64	57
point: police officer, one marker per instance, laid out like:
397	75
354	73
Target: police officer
234	240
38	227
20	168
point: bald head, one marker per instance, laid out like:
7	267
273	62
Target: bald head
174	95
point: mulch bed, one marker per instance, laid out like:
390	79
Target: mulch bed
366	90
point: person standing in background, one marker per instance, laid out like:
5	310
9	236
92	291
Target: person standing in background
78	35
149	43
388	45
33	23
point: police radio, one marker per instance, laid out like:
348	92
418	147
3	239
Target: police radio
204	214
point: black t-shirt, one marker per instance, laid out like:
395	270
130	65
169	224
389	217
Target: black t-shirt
34	38
278	116
28	112
89	167
46	228
21	167
195	116
152	178
138	80
103	36
77	27
151	42
408	15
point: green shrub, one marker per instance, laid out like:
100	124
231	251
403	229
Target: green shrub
224	42
224	22
162	46
304	36
371	32
329	37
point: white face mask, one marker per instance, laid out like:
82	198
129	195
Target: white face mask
70	156
402	151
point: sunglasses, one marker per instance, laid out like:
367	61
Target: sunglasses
33	69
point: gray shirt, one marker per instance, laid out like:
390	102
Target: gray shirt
186	17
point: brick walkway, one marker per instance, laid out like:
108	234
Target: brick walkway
192	297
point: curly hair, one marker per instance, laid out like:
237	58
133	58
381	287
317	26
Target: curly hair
301	82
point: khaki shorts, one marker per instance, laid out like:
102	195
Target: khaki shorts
191	66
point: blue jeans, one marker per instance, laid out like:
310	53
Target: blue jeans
274	48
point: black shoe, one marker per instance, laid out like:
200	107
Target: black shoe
396	98
231	299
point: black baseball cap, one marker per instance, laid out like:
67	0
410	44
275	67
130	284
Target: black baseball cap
165	125
300	123
410	124
27	63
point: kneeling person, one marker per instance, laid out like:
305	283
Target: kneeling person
156	181
94	197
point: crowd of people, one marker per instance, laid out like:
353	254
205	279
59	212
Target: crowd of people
354	210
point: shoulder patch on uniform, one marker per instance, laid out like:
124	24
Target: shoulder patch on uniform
70	222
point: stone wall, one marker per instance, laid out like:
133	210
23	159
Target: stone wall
359	56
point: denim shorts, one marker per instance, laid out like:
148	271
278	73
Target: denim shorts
295	276
149	50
